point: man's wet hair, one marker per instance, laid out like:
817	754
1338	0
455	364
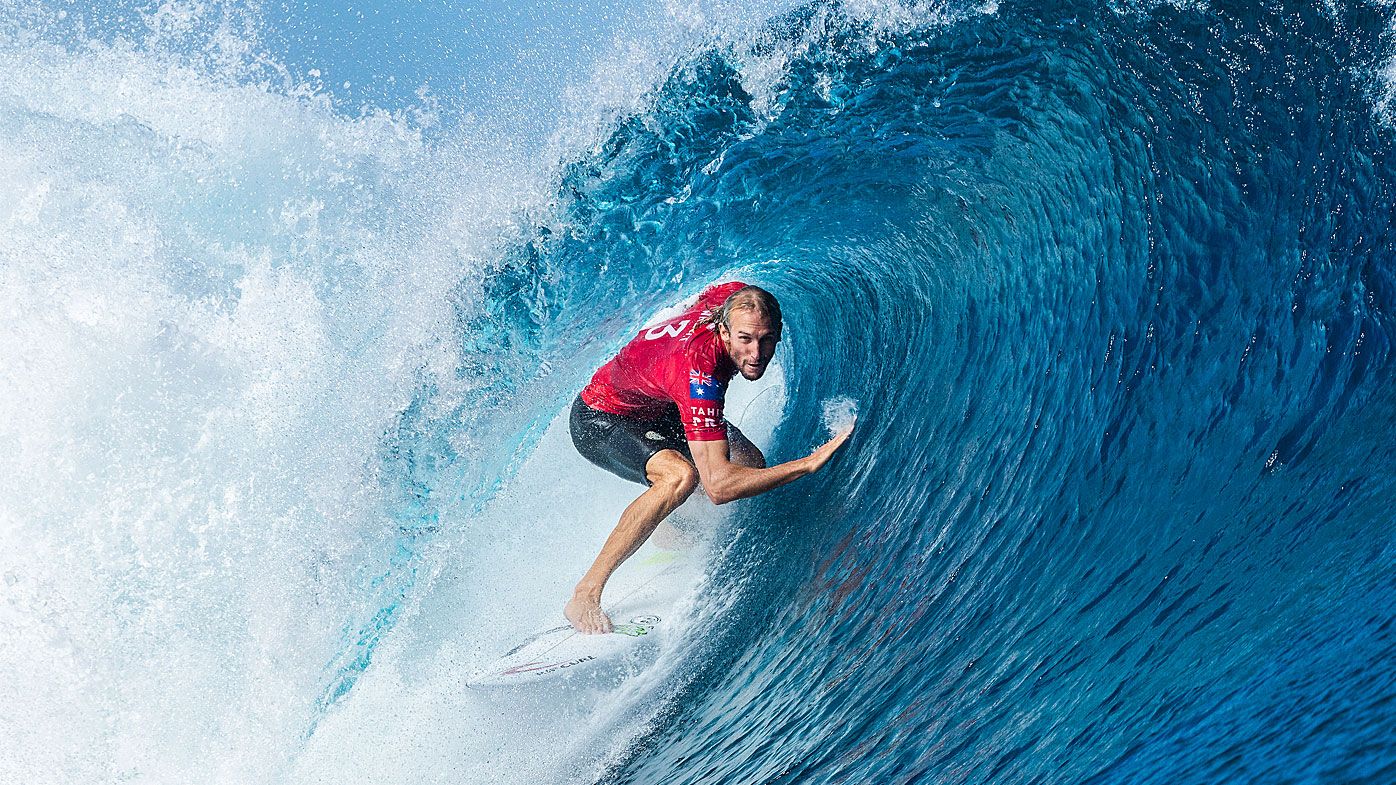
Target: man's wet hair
747	298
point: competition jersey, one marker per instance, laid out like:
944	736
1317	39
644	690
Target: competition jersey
674	363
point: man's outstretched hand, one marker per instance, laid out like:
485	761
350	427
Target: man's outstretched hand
825	451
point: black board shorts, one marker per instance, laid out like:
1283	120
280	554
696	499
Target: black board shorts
623	445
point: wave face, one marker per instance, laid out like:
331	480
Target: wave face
1112	289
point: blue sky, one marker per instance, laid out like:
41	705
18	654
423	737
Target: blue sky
485	52
475	56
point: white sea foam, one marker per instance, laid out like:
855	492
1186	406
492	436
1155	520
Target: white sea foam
214	301
1384	84
839	414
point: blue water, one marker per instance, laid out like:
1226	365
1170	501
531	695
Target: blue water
1113	289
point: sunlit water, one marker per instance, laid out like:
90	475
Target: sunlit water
1108	290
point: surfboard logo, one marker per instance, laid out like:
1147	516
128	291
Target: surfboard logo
640	625
544	667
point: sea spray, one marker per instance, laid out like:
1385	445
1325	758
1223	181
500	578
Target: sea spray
839	414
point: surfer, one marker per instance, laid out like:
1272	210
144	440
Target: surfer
653	415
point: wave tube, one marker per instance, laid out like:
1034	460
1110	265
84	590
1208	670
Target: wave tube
1109	288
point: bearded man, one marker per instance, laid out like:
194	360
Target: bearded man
653	415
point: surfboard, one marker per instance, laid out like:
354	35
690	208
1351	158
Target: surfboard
640	601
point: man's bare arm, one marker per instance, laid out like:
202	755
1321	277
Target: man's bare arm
725	481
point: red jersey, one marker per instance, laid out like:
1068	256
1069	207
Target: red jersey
674	363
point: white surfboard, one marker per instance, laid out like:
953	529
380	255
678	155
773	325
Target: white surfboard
640	601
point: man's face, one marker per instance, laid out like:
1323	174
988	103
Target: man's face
750	341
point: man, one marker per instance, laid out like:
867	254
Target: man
653	415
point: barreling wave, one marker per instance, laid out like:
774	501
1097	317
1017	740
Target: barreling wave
1111	288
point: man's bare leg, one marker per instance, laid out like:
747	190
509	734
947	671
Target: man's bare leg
672	479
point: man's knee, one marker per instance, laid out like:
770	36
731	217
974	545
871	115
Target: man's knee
672	472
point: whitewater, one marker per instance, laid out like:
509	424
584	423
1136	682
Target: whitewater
1108	287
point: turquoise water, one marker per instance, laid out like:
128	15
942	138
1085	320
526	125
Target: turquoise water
1110	287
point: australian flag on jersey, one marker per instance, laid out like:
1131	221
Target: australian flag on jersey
703	387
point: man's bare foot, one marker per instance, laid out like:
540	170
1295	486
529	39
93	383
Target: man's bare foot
586	616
